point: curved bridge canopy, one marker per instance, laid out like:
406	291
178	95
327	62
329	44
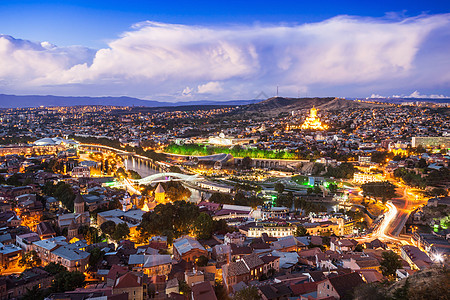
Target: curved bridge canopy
168	176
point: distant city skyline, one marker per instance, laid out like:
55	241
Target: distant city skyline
179	51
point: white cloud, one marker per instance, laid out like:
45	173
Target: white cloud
416	94
376	96
345	55
212	87
187	91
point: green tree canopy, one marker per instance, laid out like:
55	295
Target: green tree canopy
301	231
390	262
108	227
204	226
384	190
249	293
121	232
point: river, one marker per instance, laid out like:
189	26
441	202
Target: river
146	170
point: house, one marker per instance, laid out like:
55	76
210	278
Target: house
235	272
131	284
339	287
45	230
9	219
151	264
361	263
203	291
304	289
188	249
238	252
18	285
271	263
287	244
9	255
115	272
25	241
343	245
172	286
236	238
221	253
254	264
417	259
274	291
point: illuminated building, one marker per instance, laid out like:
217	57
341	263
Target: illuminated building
367	177
312	122
160	194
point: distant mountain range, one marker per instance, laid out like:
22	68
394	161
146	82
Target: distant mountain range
13	101
271	105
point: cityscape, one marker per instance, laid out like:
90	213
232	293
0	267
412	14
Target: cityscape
133	169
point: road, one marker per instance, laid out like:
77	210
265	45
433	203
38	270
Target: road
395	218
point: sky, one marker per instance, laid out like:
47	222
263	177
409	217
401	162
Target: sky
227	50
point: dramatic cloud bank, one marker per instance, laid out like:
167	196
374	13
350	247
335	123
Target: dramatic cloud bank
342	56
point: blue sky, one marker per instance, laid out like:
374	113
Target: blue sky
93	23
235	49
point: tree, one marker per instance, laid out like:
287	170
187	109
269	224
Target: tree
301	231
344	170
279	187
184	287
176	218
221	198
384	190
249	293
54	268
67	281
333	187
202	261
30	259
96	256
92	236
390	262
108	227
204	226
121	232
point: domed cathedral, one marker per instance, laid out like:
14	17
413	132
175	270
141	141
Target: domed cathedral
72	231
78	204
160	194
79	216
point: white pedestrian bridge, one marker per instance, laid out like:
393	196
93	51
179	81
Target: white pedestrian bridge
167	176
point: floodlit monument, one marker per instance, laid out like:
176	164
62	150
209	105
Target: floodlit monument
313	122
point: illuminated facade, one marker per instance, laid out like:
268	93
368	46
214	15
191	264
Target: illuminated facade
312	122
367	177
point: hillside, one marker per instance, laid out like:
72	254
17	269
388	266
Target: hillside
428	284
276	105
